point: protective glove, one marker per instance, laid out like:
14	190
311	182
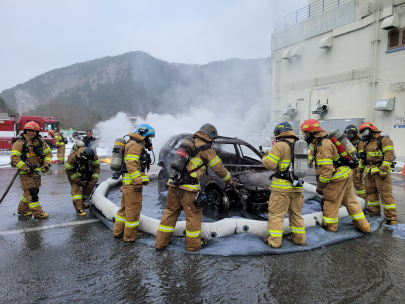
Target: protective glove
359	176
145	183
45	168
320	188
383	174
80	183
310	164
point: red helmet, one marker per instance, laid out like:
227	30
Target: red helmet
367	125
32	125
50	132
311	125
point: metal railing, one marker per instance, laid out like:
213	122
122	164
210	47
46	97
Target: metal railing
306	12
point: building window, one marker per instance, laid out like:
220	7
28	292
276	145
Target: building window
396	39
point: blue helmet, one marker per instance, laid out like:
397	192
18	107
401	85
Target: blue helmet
210	130
145	130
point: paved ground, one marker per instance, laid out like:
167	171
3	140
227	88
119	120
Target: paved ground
67	258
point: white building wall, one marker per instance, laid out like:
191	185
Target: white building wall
347	98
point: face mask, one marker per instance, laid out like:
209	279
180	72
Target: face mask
308	137
148	141
366	134
349	135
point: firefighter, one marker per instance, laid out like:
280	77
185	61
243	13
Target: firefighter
335	179
377	154
60	146
136	160
78	144
353	135
83	171
181	197
284	196
31	155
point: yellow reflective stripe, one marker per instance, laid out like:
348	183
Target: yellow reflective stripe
15	152
61	143
324	180
34	204
282	184
330	220
23	199
126	179
47	159
273	158
312	149
60	158
166	228
69	166
121	144
120	219
310	157
95	175
305	126
373	154
227	176
21	172
324	161
46	151
134	174
375	169
76	197
276	233
284	164
336	158
131	224
389	206
96	162
386	148
77	174
386	163
297	229
145	178
359	151
214	161
383	172
373	203
196	162
132	157
193	234
357	216
85	196
192	187
361	191
344	172
20	164
361	165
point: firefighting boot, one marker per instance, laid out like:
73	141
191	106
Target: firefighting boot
85	205
81	212
388	222
26	213
204	244
42	215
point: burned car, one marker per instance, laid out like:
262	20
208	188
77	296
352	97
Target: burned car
243	161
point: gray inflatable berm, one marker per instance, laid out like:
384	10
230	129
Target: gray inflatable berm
208	230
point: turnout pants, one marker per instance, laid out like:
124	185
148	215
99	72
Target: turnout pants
178	200
30	201
61	154
127	219
279	204
377	187
342	192
358	185
80	194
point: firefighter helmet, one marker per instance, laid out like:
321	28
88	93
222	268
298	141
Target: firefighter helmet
145	130
50	132
311	126
367	125
351	128
210	130
87	153
282	127
32	125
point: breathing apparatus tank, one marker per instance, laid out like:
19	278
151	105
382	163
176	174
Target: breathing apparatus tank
182	157
117	157
350	149
300	158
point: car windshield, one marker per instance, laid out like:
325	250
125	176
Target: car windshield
51	126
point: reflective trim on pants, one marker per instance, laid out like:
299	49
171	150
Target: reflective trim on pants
330	220
193	234
131	224
297	229
357	216
276	233
373	203
120	219
33	205
389	206
23	199
166	229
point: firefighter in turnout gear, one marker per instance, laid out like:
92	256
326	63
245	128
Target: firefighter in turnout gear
60	146
83	171
127	218
376	157
32	156
180	197
354	137
284	196
335	180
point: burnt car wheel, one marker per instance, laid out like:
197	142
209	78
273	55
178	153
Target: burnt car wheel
217	199
162	180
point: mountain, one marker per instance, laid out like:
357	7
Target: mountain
138	83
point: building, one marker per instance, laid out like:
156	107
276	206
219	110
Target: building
342	62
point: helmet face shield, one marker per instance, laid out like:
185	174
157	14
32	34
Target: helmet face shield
350	135
366	134
148	141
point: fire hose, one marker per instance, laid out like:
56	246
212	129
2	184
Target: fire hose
9	186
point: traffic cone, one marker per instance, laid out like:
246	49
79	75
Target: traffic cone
403	171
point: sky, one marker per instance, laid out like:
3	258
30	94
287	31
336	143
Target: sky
37	36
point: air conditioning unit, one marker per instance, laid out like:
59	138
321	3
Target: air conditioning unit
320	109
290	112
390	23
